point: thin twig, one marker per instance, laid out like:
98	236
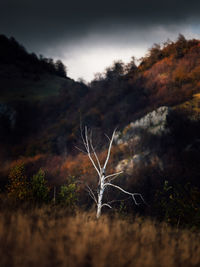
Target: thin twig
126	192
93	149
107	205
114	174
91	193
81	150
109	149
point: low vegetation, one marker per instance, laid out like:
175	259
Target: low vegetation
50	237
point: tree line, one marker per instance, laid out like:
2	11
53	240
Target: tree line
11	51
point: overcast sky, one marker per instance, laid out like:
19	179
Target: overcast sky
89	35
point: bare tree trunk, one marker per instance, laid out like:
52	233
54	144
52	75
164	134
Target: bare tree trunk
99	204
100	197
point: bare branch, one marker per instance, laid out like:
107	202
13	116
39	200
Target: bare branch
81	150
82	137
140	195
126	192
91	196
106	205
86	139
93	149
91	159
91	193
89	190
118	200
118	187
87	146
114	174
109	149
107	137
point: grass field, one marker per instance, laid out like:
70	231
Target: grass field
49	237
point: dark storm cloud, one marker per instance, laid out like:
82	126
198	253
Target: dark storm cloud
43	22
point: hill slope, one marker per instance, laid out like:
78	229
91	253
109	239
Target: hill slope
168	75
24	76
154	105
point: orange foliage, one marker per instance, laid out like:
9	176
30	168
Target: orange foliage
195	74
174	78
27	160
81	167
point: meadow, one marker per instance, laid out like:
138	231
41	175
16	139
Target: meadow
49	236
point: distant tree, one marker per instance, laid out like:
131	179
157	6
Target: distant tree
181	39
131	66
181	46
155	52
34	57
118	67
98	76
115	71
154	55
81	80
61	69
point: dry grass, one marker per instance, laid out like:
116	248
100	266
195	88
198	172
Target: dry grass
47	237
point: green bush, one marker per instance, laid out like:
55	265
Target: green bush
39	188
68	194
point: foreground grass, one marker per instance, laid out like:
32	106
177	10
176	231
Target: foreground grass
46	237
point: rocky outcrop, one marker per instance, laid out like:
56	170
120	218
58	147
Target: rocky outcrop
154	123
138	161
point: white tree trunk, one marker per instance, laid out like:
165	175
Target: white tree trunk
100	197
99	203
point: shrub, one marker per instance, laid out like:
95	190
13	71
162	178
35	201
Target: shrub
179	204
39	188
68	194
18	188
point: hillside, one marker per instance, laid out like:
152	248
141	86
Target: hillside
168	75
24	76
154	105
28	86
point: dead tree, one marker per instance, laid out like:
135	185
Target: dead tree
104	179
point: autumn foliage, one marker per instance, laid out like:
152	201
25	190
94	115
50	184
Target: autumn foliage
18	188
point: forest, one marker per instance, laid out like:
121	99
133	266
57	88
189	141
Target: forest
47	178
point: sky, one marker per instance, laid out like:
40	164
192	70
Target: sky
89	35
